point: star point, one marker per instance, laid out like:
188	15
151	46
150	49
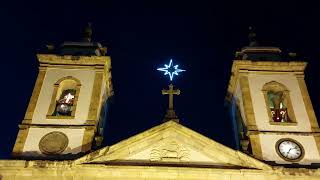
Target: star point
171	70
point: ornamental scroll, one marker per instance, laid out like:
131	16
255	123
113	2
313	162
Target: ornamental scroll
170	151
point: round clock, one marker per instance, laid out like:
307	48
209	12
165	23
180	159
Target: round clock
53	143
289	149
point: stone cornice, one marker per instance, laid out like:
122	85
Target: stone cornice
52	59
56	170
274	66
250	132
68	126
260	49
245	66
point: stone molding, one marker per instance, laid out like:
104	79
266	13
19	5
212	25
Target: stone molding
284	133
283	123
74	60
68	126
22	169
296	67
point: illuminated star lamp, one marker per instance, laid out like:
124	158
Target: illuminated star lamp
171	70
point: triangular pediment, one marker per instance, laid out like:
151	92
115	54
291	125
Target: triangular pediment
172	143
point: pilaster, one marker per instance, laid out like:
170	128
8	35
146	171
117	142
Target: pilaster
35	94
20	141
95	97
307	102
256	146
247	101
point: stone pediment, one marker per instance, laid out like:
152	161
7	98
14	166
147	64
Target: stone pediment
171	143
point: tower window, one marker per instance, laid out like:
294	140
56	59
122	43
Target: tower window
278	103
64	98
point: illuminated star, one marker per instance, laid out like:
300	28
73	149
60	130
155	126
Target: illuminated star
171	70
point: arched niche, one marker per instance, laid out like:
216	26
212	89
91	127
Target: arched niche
64	98
278	103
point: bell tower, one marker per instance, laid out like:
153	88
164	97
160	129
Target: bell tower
66	112
271	107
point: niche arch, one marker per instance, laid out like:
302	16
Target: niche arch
278	103
64	98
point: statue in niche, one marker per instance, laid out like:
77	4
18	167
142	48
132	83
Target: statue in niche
65	103
277	106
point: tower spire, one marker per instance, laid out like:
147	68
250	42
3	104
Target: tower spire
87	33
252	37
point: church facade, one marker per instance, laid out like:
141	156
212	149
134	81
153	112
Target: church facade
60	136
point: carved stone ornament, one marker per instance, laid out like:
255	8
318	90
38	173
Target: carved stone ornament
53	143
170	151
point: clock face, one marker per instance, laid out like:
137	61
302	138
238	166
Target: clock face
289	149
53	143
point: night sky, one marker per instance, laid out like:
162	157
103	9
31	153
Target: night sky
142	36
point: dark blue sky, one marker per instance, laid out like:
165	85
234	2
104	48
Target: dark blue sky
201	36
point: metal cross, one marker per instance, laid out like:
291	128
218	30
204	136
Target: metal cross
171	92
